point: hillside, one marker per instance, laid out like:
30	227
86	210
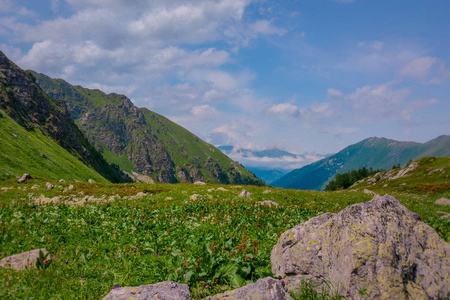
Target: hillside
424	175
142	142
376	153
32	152
23	101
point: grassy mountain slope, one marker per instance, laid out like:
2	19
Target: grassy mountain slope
23	151
25	102
141	141
378	153
424	175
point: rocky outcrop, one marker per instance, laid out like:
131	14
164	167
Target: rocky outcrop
24	178
263	289
245	194
146	142
28	105
21	261
373	250
167	290
442	201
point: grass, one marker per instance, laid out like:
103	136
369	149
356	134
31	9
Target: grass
221	241
23	151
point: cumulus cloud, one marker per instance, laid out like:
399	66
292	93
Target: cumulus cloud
284	109
418	68
333	93
266	27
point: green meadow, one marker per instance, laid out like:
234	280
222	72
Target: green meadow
214	243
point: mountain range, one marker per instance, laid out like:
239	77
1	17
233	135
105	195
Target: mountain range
109	134
374	152
269	164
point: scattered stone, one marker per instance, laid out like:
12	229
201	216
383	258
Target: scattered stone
167	290
49	186
62	180
210	190
14	135
76	180
196	197
91	181
269	203
385	185
222	189
199	183
7	188
24	178
444	215
168	198
42	155
369	192
379	246
402	184
184	192
405	171
267	192
245	194
264	289
35	187
21	261
442	201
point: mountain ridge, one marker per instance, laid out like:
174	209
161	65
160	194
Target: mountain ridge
378	153
142	141
25	102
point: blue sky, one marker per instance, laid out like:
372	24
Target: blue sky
304	76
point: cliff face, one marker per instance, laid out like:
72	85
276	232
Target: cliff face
25	102
139	140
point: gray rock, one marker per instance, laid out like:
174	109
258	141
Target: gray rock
269	203
196	197
24	178
91	181
379	247
62	180
263	289
245	194
21	261
442	201
49	186
167	290
267	192
199	183
222	189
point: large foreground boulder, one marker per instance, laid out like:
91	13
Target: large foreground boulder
166	290
373	250
263	289
21	261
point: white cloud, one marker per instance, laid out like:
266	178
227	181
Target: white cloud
418	68
204	111
374	103
284	109
333	93
266	27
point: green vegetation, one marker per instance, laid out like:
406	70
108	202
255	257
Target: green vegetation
139	140
23	151
345	180
377	153
220	241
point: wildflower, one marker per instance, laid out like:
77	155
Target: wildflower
10	278
184	276
282	280
7	283
206	286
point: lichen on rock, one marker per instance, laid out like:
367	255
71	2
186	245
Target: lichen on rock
379	247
